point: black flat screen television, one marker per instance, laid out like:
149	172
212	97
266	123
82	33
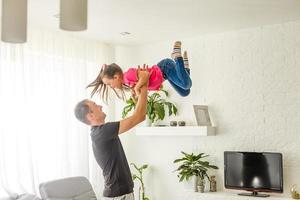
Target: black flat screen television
253	171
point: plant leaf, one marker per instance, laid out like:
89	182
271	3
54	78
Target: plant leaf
134	165
144	167
126	110
134	177
179	160
165	91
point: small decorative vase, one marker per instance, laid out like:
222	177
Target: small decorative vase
294	193
201	185
213	184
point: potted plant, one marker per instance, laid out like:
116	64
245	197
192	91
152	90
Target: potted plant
193	165
139	177
156	104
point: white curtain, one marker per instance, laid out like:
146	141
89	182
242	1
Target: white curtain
40	83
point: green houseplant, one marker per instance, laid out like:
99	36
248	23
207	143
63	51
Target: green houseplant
139	177
194	165
156	104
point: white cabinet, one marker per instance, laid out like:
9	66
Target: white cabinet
228	196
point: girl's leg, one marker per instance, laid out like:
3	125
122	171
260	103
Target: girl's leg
180	91
185	60
176	73
182	62
183	74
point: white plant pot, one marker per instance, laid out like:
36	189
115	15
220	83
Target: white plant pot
192	184
147	122
189	185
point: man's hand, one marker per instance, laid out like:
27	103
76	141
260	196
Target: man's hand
143	78
144	68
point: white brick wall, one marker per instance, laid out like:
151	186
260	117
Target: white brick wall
251	81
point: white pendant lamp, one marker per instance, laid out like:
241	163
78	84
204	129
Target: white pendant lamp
14	21
73	15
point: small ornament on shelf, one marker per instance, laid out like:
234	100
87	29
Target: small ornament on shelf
294	193
181	123
173	123
213	184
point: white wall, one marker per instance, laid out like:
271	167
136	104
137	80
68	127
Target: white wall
250	80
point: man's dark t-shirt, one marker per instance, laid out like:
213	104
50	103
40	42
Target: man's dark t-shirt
111	158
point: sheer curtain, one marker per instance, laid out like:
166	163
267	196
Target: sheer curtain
40	83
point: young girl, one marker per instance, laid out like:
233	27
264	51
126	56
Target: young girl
175	70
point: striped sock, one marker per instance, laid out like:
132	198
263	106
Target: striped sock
176	50
185	59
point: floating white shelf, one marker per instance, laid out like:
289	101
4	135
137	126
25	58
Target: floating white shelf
176	131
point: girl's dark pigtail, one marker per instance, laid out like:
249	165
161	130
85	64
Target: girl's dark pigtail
99	87
96	83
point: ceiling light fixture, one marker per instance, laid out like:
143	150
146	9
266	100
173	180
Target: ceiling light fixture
56	16
14	21
73	15
125	33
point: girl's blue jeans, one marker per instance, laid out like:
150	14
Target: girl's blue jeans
177	75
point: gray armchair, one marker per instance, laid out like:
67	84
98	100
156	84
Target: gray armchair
73	188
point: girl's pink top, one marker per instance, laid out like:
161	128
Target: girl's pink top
155	80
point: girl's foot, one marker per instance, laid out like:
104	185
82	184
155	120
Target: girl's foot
185	60
176	50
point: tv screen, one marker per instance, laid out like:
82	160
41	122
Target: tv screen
253	171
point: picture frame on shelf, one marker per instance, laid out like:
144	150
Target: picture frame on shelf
202	115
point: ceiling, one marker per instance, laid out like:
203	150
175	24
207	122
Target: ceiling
157	20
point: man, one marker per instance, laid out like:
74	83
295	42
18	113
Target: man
107	146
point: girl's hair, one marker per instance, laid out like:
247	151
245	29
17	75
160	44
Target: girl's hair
99	87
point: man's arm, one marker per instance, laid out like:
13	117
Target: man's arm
143	78
139	114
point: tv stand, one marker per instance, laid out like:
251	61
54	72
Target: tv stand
225	195
253	194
